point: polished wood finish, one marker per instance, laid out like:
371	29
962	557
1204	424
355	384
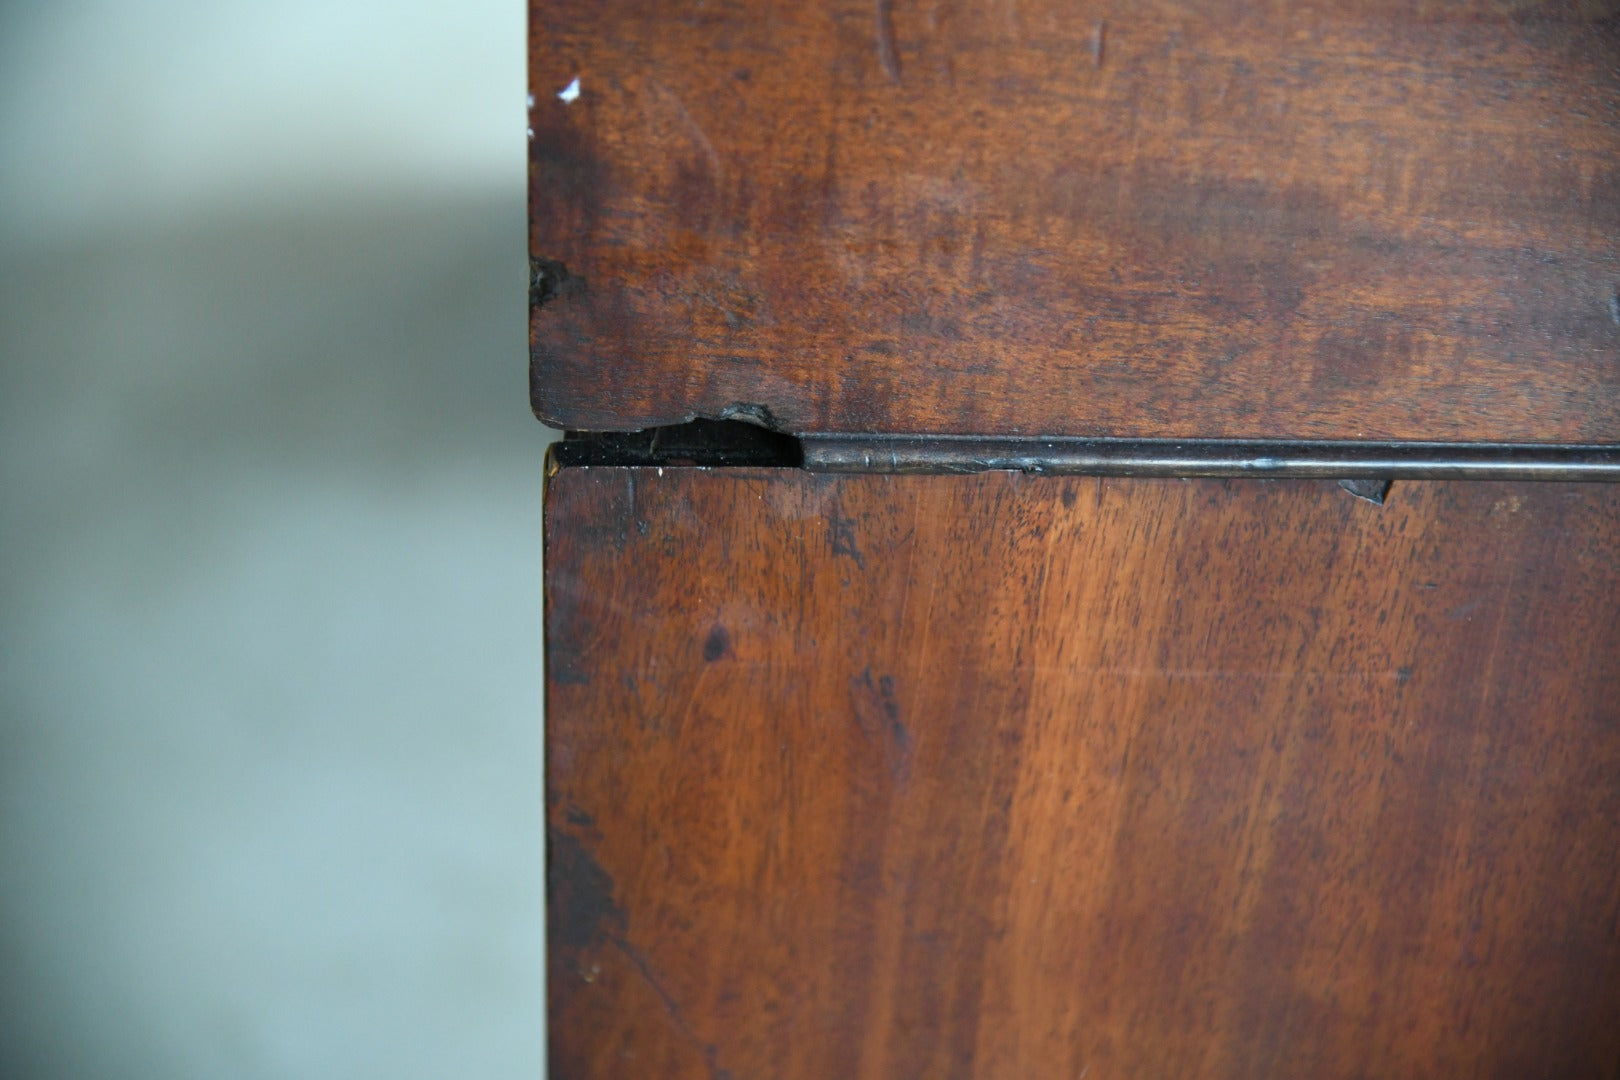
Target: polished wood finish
1370	219
1002	776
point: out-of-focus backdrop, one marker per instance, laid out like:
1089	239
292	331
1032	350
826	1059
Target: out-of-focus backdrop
270	749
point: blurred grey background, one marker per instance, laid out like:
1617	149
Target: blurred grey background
270	749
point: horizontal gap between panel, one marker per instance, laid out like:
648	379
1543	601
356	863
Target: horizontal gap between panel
740	444
1209	458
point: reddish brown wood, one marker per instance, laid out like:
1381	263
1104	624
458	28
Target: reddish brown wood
1368	219
1015	777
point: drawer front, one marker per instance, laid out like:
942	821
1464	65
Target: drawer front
1370	220
1004	776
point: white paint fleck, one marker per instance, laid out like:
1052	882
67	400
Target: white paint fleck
531	101
531	133
570	93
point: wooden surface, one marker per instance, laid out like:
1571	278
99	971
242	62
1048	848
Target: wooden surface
1360	220
1016	777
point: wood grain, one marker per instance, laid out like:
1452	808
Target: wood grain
1001	776
1363	220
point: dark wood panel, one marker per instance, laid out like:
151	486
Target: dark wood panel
1360	220
1032	777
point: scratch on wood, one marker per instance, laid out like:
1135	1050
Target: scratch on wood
693	128
639	962
1098	33
887	56
877	713
1299	675
584	915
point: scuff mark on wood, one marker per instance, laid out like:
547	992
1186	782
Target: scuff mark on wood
717	645
581	909
887	55
841	534
576	816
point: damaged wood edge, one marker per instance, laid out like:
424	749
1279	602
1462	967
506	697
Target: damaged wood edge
703	443
548	280
1374	489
